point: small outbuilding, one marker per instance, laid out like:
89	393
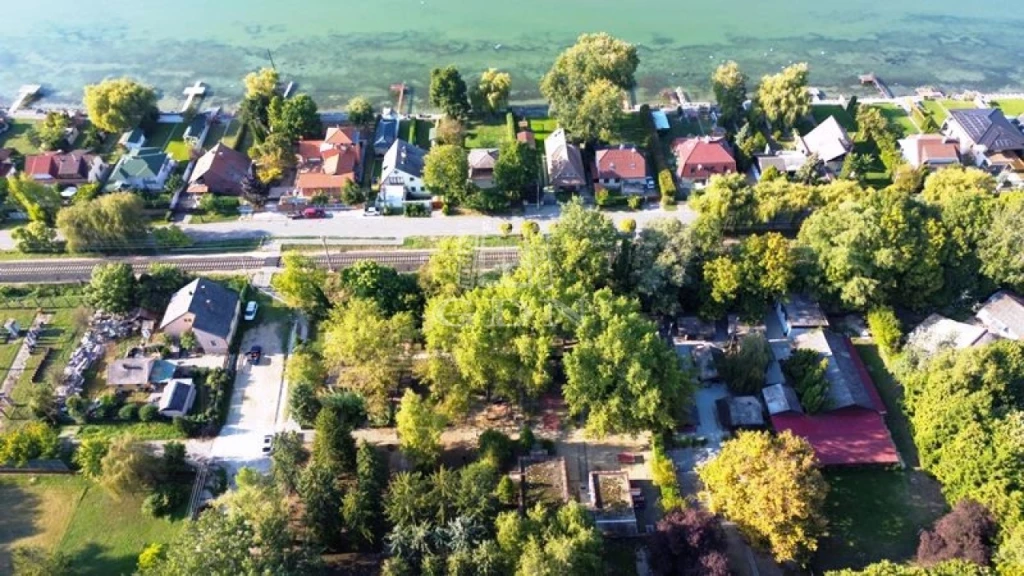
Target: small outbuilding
177	398
740	412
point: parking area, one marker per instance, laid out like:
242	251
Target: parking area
254	402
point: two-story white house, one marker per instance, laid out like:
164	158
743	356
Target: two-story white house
401	176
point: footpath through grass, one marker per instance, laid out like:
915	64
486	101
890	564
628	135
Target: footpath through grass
102	535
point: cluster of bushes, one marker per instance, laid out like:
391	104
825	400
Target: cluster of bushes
416	211
663	474
32	441
213	204
215	387
885	329
502	451
109	407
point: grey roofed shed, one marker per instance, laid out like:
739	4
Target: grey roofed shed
780	399
177	397
802	312
740	412
214	307
130	372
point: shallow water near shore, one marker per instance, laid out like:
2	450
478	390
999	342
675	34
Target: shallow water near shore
335	49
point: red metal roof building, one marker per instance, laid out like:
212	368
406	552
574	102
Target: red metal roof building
855	434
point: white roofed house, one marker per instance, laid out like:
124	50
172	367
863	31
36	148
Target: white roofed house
401	177
829	141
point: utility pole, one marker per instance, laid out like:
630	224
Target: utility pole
327	253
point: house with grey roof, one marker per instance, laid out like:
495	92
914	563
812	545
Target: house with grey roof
206	308
386	133
845	386
938	333
1003	315
135	374
781	399
401	176
829	141
564	162
798	313
481	166
142	169
996	144
177	398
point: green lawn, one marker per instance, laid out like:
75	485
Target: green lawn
822	112
892	394
232	132
216	134
1011	108
898	116
542	128
404	126
37	512
56	342
161	430
423	133
632	129
169	138
17	137
429	242
9	350
484	134
211	217
877	176
875	515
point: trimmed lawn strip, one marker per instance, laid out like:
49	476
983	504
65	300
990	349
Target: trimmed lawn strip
484	134
876	514
631	130
428	242
156	430
1011	108
899	117
892	395
823	111
423	128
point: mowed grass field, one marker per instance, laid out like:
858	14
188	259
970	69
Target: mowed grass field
103	535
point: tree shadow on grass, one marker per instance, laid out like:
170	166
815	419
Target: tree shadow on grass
20	508
96	560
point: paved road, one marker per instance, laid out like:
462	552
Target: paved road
352	224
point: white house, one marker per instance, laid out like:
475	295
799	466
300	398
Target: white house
401	176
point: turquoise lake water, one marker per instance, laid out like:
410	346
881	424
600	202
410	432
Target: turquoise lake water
337	48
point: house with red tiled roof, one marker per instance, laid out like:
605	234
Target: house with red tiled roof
622	168
698	159
65	168
327	166
527	138
481	166
931	150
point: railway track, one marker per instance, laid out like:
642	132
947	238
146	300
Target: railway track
56	271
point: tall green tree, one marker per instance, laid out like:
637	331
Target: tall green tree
360	111
1003	243
262	83
108	223
594	58
419	429
783	97
450	270
50	133
129	467
112	288
322	499
35	238
119	105
156	285
446	171
369	348
391	291
300	284
40	202
287	457
883	248
730	87
599	112
333	446
620	374
770	486
491	92
448	92
296	117
661	263
515	170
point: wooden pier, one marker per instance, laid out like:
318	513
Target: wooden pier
26	94
197	90
401	89
878	83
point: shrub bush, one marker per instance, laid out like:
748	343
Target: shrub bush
128	412
156	505
506	228
107	405
148	413
628	226
667	185
530	228
526	438
634	202
497	448
506	491
885	329
416	211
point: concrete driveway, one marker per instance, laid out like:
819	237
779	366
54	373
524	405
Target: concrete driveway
255	402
